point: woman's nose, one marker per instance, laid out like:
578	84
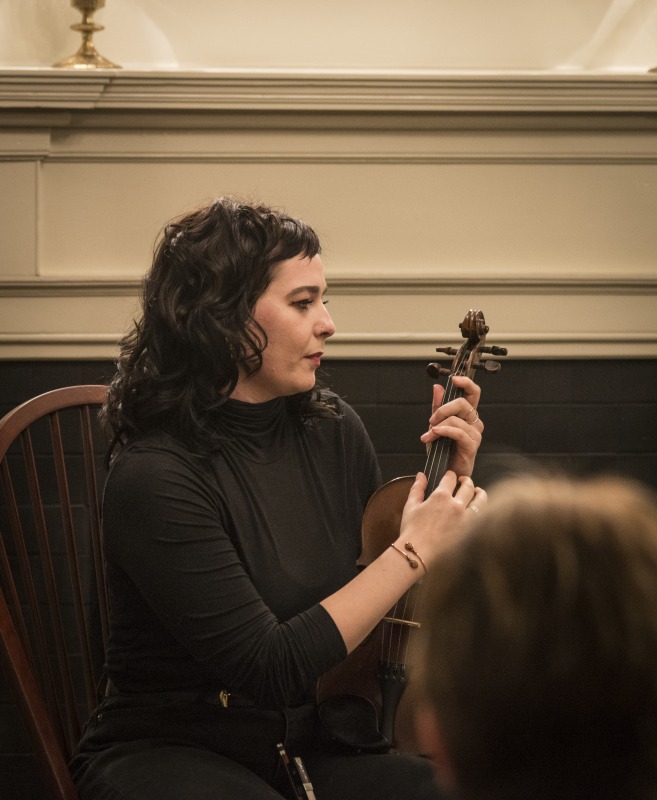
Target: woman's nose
326	325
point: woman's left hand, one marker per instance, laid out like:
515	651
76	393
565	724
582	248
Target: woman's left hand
459	421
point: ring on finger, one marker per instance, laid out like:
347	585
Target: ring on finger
476	413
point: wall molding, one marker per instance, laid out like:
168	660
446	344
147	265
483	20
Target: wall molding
171	157
366	284
360	345
330	90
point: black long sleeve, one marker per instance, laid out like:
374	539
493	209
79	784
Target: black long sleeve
216	565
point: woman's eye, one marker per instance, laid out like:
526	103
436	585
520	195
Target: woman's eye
305	304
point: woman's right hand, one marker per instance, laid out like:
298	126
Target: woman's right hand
429	525
432	524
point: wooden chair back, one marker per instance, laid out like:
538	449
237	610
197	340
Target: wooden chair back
53	603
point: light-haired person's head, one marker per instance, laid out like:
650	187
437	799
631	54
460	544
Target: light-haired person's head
539	658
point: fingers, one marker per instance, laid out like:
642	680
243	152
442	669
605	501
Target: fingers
466	436
461	489
455	428
471	392
457	419
464	407
433	524
478	501
448	483
418	488
465	490
473	498
466	441
439	502
438	394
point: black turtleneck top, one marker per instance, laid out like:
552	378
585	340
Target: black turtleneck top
216	564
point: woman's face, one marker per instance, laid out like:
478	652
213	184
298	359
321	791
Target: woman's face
293	314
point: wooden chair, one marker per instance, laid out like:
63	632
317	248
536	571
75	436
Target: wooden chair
53	606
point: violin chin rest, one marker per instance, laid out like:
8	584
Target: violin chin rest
353	721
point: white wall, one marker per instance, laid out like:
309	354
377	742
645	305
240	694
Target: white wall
343	34
452	155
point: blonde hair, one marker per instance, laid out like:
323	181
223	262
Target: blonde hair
539	651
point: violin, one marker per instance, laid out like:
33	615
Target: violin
363	700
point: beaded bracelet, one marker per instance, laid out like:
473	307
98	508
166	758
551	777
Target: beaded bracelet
411	561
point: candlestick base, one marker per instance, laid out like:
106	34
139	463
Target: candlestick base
87	56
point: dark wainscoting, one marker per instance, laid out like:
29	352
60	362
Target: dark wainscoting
577	416
580	416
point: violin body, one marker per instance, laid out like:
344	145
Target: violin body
382	518
373	669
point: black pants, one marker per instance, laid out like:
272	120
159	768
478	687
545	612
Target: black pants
155	748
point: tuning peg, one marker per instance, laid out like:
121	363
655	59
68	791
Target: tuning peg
435	370
489	365
494	350
450	351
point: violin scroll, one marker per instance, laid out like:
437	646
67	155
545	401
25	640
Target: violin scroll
467	358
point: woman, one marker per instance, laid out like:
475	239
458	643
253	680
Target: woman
232	526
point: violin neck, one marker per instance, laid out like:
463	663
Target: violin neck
439	451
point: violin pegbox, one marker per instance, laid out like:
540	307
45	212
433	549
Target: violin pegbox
467	359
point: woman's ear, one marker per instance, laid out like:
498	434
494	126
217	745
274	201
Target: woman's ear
432	744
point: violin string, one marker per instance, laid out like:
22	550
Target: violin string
439	451
393	633
437	464
400	628
392	641
398	612
416	595
400	609
438	456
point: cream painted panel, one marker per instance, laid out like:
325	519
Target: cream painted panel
468	220
587	316
100	220
18	239
64	327
79	317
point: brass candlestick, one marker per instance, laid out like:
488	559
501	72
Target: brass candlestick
87	57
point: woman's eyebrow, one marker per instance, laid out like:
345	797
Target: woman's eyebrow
314	290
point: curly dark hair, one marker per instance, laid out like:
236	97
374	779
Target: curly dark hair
181	360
